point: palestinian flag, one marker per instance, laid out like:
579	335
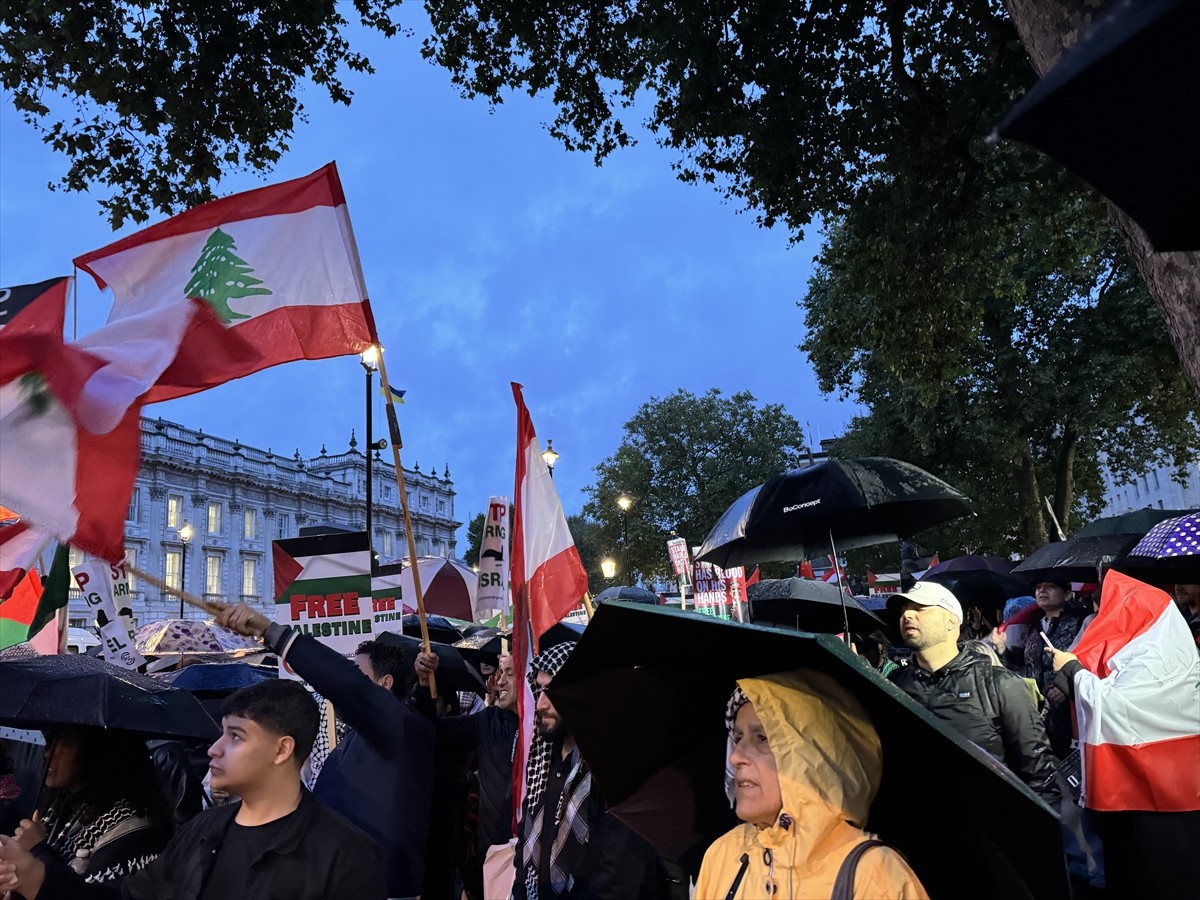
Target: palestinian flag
30	611
276	273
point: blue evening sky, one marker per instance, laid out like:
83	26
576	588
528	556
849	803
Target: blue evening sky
491	255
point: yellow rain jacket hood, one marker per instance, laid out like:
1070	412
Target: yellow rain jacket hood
830	762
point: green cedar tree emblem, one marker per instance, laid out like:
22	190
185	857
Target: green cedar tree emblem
220	275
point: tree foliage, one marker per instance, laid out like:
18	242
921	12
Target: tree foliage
1014	352
682	461
156	99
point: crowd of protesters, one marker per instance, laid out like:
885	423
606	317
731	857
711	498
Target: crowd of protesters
416	799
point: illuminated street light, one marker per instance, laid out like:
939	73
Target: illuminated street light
608	568
550	456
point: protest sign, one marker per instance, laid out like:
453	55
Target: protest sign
491	595
102	585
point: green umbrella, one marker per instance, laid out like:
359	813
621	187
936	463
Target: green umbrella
644	694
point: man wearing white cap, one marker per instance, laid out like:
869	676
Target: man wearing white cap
986	704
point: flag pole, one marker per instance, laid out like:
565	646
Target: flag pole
587	605
397	443
212	607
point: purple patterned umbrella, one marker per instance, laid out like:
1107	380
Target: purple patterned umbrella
189	636
1171	549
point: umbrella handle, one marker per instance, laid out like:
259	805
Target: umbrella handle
212	607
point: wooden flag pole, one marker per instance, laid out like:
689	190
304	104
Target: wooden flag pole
587	605
212	607
397	443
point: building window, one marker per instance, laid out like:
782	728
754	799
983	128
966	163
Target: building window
441	506
387	543
214	516
283	525
173	573
212	574
387	492
131	557
250	524
249	577
135	506
174	510
1157	485
75	557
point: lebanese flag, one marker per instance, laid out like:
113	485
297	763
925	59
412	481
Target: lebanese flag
276	269
548	578
21	545
1137	702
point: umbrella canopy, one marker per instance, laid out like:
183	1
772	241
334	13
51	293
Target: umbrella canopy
808	605
1075	559
441	629
628	592
189	636
1171	550
453	672
215	678
79	690
659	679
482	647
448	586
1138	521
1120	110
858	501
980	581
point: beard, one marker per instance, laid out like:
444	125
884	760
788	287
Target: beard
550	730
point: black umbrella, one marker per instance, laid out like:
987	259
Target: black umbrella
558	633
851	502
1120	109
79	690
441	629
659	680
808	605
482	646
1138	521
1075	559
453	672
979	581
627	592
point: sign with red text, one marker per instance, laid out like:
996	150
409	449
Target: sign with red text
735	594
678	550
709	584
330	597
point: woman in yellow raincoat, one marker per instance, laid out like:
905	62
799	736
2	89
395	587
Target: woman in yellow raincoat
805	763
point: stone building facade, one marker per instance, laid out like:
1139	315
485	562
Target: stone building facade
238	499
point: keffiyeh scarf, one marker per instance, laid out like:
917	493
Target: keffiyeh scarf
570	826
737	700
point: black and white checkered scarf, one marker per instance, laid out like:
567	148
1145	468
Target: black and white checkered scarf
570	826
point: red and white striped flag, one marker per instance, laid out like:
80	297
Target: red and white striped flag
276	269
548	577
1138	702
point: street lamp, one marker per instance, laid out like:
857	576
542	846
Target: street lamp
550	456
624	502
369	360
185	537
608	568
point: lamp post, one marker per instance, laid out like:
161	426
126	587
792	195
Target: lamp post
608	568
185	537
369	360
550	456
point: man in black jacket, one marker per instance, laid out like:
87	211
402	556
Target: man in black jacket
986	704
379	776
277	843
492	733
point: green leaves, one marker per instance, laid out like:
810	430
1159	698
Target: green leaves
157	100
683	460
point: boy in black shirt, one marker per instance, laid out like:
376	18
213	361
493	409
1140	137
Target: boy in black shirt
277	843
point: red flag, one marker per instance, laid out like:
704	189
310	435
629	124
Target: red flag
753	577
805	570
20	547
871	578
276	267
548	578
1136	702
933	561
35	308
